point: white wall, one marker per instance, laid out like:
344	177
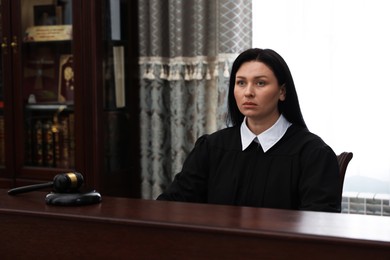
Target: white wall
339	54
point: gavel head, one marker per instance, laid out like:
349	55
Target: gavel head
67	182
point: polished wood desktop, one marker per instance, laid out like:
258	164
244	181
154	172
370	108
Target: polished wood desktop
121	228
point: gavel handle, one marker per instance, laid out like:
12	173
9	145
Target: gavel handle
30	188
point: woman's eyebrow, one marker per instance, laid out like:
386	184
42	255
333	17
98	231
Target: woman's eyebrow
256	77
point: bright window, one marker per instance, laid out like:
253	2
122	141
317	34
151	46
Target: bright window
339	54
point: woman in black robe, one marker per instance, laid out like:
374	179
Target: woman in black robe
267	157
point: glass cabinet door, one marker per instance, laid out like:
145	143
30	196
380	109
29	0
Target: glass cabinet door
47	83
69	92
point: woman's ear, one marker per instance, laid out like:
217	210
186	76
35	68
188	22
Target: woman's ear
282	95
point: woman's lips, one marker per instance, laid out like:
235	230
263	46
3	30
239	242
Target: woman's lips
249	104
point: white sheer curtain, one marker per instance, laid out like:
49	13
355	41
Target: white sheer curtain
339	53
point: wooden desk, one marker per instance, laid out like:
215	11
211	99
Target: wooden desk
120	228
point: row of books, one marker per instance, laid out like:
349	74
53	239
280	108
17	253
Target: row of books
50	141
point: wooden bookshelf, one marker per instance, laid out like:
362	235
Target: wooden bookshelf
55	115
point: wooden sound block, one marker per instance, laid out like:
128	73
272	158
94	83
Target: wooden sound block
73	199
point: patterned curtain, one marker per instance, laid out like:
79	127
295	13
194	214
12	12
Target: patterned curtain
186	49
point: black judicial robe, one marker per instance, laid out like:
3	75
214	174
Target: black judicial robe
299	172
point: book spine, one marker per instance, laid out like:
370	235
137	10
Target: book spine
65	142
38	156
48	147
56	142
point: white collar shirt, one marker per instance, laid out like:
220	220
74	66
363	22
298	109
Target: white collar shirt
266	139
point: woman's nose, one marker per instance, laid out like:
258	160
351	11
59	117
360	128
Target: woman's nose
249	90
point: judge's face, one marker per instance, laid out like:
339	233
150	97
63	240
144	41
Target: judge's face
257	93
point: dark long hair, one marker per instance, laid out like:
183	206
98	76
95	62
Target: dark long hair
289	107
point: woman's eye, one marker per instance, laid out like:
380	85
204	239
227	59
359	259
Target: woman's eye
240	82
261	83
